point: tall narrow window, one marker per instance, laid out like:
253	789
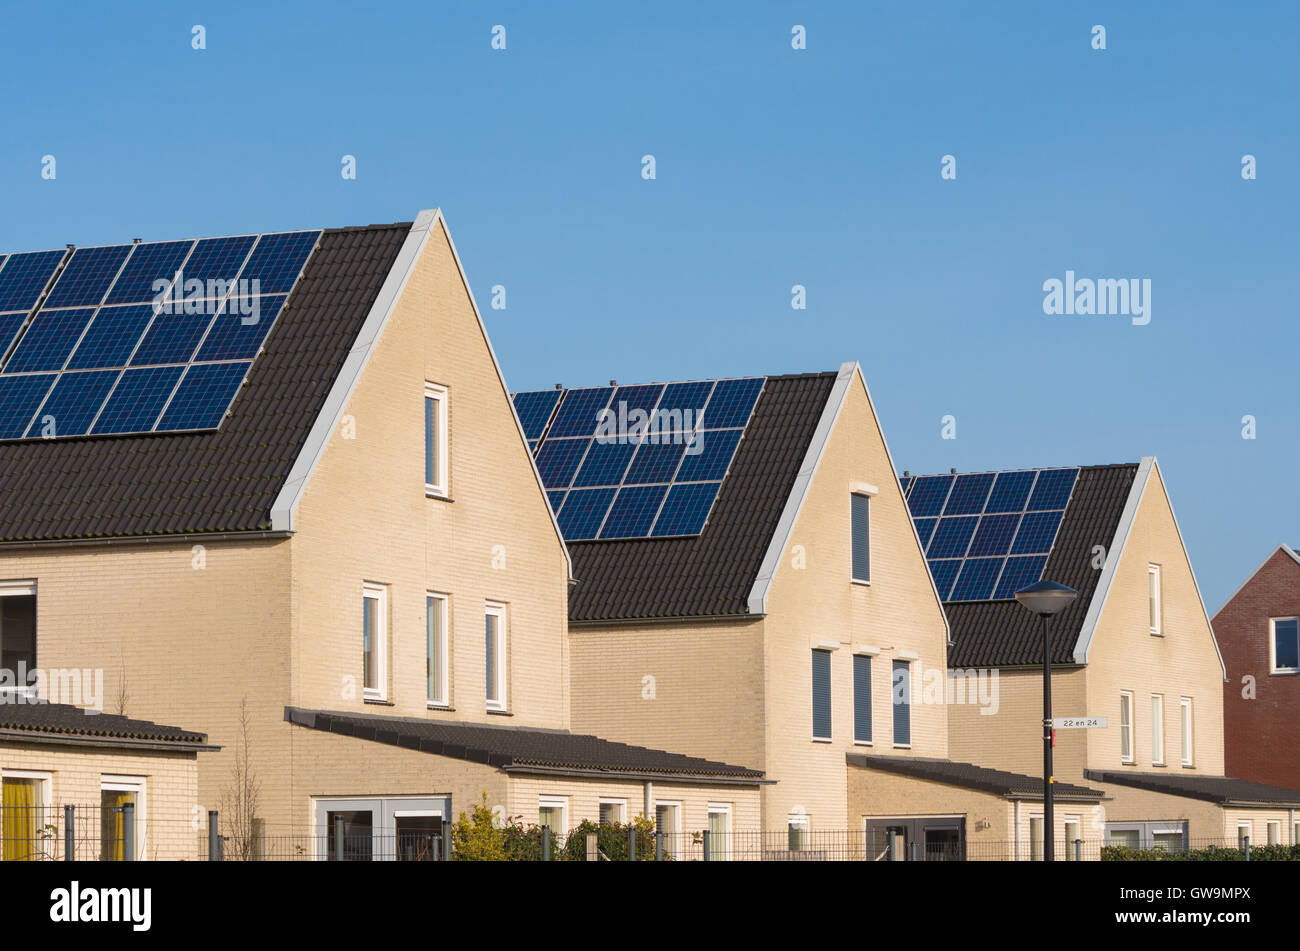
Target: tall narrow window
25	816
1274	832
1073	833
1185	715
18	630
861	698
1126	726
821	694
1036	827
435	607
798	826
435	439
1153	599
1157	729
551	812
1283	645
861	531
902	703
719	831
374	640
117	838
495	616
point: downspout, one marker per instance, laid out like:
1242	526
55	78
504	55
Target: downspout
1017	858
649	810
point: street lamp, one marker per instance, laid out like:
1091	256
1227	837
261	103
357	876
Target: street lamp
1047	599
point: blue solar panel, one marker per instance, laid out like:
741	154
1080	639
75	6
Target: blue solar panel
48	340
1020	573
535	410
924	529
633	511
1037	532
928	495
605	463
628	399
24	277
1010	492
137	400
1053	488
680	406
904	484
239	336
968	494
655	462
19	398
10	324
976	579
944	574
580	412
72	404
993	537
172	338
583	511
685	509
87	276
710	457
277	261
148	264
732	403
952	537
558	460
111	337
203	396
556	499
214	262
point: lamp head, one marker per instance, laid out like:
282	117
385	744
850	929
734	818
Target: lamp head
1046	598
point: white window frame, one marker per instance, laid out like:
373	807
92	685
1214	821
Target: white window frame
675	833
1187	721
439	602
1155	599
555	802
139	785
620	804
724	809
1128	733
860	492
1066	823
803	822
1273	668
1249	826
498	610
19	589
1041	844
379	641
1273	832
1158	730
44	790
441	457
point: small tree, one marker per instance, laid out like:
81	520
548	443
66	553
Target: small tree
240	800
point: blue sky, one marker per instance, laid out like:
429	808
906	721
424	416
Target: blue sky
775	167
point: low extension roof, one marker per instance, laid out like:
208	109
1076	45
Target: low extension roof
1223	790
519	749
64	722
969	776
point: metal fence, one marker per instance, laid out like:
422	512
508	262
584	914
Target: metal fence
95	833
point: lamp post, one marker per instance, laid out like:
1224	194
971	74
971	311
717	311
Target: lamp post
1047	599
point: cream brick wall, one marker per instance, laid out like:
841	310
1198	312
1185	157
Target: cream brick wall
172	827
582	797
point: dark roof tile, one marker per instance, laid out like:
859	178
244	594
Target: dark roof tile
1217	789
62	718
969	776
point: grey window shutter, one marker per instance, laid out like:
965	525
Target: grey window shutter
821	678
861	698
902	702
861	528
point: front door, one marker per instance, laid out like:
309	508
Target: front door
381	828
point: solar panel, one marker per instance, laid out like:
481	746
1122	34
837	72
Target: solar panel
136	401
71	405
19	398
203	396
236	335
662	451
987	535
49	340
149	263
277	261
87	276
111	337
24	278
214	262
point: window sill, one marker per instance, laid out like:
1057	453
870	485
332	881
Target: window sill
436	495
445	707
1189	766
498	713
1159	765
902	746
1283	673
859	581
1127	762
821	739
379	701
1156	633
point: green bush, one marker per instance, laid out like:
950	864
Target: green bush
1258	853
612	840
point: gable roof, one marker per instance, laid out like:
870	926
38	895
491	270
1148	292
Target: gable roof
998	782
219	481
521	749
65	723
1002	633
1223	790
714	573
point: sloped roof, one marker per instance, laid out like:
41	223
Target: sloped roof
710	574
519	748
1002	633
209	482
68	721
969	776
1218	789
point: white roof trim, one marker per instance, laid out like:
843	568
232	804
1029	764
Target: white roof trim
285	508
1122	531
1290	551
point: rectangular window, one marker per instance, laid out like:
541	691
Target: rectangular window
18	630
1283	645
719	831
1073	831
1185	714
797	829
495	615
821	694
861	531
668	820
1274	832
1126	726
1243	833
612	811
374	640
117	792
436	651
861	698
1167	840
902	703
1153	599
435	439
27	811
552	811
1157	729
1036	838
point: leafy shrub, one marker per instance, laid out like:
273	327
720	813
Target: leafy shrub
1258	853
611	840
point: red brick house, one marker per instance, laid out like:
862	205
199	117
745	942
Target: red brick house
1259	635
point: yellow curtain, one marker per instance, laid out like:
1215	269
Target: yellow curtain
19	820
112	824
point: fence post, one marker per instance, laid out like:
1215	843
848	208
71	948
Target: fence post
659	846
1078	850
1247	848
546	843
128	832
338	838
706	845
446	841
913	850
631	844
69	833
593	850
214	850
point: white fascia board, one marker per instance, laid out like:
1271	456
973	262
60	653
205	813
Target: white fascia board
1290	551
1122	531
